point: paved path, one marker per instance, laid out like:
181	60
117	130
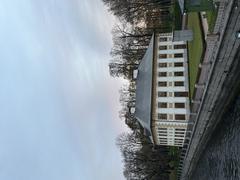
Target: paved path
204	23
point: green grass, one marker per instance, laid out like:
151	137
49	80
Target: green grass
195	48
177	16
211	18
203	6
174	152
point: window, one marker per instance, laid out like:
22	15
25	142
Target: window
162	94
178	73
181	94
179	105
169	83
179	130
162	74
179	83
178	135
170	94
178	141
170	74
170	55
178	55
180	117
162	47
170	47
178	64
162	56
163	39
162	105
162	116
163	132
162	83
170	105
180	46
162	64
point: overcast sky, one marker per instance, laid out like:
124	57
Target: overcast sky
58	104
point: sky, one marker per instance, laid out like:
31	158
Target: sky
58	104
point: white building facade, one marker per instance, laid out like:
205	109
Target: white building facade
171	106
169	97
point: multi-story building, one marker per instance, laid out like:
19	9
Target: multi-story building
162	89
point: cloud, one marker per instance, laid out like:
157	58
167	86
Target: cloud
58	104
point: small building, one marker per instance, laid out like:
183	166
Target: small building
162	91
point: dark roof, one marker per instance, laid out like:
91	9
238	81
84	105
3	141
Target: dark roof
144	89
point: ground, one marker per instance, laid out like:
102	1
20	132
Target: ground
211	18
198	5
195	48
174	152
177	16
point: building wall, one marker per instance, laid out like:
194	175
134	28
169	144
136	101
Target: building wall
171	79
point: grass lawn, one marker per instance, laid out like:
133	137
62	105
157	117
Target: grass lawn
177	16
204	5
195	48
211	18
174	152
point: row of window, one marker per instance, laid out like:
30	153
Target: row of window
165	74
176	83
176	136
176	46
162	116
165	56
170	105
170	94
164	39
180	133
176	64
165	129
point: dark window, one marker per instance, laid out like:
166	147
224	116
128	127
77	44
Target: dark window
162	74
178	139
162	47
179	83
162	105
178	73
162	83
180	117
162	116
162	94
179	105
162	134
181	94
178	55
162	56
179	130
162	64
178	64
178	135
180	46
163	39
